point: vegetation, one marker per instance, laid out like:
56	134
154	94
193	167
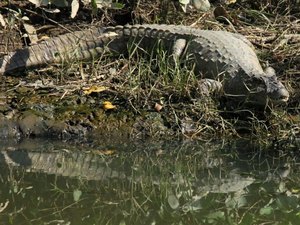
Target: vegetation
157	92
143	95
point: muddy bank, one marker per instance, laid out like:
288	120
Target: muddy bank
41	106
31	108
140	96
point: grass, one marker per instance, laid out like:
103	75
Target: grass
154	80
149	77
144	79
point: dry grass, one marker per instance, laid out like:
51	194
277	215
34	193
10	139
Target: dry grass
273	29
272	26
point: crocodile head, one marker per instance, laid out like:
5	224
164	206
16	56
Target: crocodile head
258	90
266	90
276	91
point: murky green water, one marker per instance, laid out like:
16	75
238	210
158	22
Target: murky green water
236	182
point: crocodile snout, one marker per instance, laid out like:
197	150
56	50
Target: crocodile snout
277	91
280	96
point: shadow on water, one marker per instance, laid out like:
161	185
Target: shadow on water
234	182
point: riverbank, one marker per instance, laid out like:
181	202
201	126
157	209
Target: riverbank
140	97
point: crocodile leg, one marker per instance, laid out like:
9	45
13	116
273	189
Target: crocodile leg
177	51
209	86
179	47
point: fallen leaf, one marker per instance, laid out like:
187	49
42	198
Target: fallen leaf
76	195
295	191
202	5
108	105
53	11
94	89
2	21
221	12
31	33
74	7
173	201
44	38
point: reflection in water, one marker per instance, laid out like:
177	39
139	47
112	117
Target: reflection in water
48	182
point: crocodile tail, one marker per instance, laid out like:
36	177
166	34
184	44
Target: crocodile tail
79	45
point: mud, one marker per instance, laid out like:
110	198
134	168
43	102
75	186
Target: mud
29	108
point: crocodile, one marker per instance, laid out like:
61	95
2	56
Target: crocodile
92	167
69	164
225	62
41	158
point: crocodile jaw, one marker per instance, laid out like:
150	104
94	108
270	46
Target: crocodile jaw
276	91
272	91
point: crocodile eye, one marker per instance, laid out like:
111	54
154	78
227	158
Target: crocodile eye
272	83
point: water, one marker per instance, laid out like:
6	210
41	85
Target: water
228	182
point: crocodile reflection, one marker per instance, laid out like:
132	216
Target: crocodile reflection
212	173
68	164
96	167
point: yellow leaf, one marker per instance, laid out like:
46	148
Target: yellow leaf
44	38
31	33
295	190
95	89
108	105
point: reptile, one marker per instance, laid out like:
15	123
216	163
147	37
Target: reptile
40	158
224	61
93	167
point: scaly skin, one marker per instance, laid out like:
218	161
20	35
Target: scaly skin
92	167
79	45
71	164
219	55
